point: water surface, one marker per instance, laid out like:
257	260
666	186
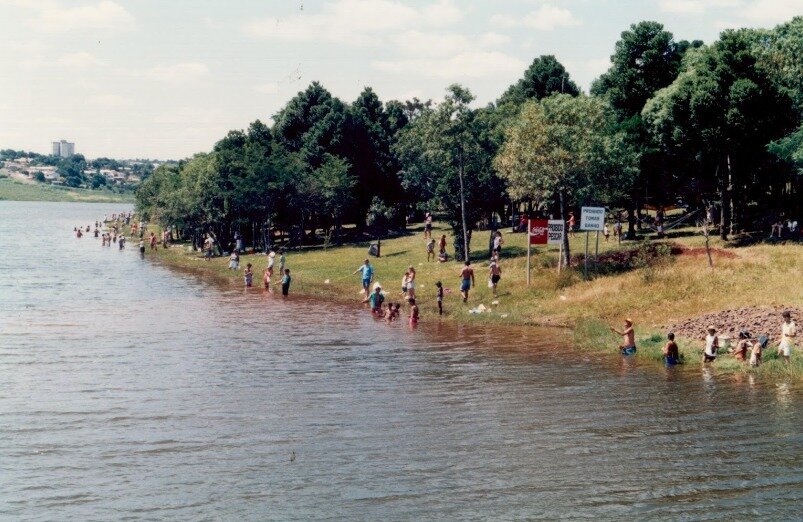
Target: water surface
130	391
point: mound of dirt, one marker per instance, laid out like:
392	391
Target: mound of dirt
756	320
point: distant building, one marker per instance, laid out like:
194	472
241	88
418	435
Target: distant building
63	148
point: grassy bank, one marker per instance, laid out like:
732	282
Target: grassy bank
12	190
654	293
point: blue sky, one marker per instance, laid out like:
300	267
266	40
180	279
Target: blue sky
165	79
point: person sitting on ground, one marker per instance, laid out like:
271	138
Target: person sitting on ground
443	257
788	333
431	250
756	351
740	350
376	299
466	280
413	311
671	352
628	346
711	345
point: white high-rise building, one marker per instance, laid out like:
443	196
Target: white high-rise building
63	148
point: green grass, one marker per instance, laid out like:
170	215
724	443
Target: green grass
12	190
654	297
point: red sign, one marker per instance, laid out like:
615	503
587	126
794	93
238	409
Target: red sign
539	231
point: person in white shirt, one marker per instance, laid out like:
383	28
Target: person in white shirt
788	333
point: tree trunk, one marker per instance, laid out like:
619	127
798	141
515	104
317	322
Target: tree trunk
563	215
631	223
724	216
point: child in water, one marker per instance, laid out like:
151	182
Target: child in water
248	275
286	282
413	311
671	352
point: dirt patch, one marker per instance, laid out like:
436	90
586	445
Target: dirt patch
700	251
756	320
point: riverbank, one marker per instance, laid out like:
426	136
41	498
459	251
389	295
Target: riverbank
670	286
12	190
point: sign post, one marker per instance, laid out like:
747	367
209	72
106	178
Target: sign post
538	232
529	242
591	219
556	229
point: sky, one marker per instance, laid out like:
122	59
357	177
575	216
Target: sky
166	79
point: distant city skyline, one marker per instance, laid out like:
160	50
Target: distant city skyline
165	80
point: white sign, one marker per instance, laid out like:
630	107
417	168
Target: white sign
555	232
592	218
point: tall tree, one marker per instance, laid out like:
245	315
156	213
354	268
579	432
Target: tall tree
567	150
436	148
545	76
719	115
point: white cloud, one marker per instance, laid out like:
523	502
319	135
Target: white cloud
110	100
470	64
56	18
267	88
354	22
442	13
493	40
81	60
178	73
420	44
738	12
545	18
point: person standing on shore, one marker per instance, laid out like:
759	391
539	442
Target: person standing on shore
439	286
282	261
271	262
442	246
411	283
494	274
428	226
570	223
466	280
628	346
431	250
248	275
367	276
153	241
234	261
788	333
711	345
497	245
286	282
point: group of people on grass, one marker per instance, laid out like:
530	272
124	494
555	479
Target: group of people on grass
747	344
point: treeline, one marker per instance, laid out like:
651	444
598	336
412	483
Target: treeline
73	168
669	122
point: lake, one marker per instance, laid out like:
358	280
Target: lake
131	391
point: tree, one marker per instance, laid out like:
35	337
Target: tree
646	58
435	148
718	116
566	149
545	76
39	176
97	181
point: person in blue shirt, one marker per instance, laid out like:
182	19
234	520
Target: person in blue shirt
367	276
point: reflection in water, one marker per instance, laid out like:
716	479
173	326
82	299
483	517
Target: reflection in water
128	390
